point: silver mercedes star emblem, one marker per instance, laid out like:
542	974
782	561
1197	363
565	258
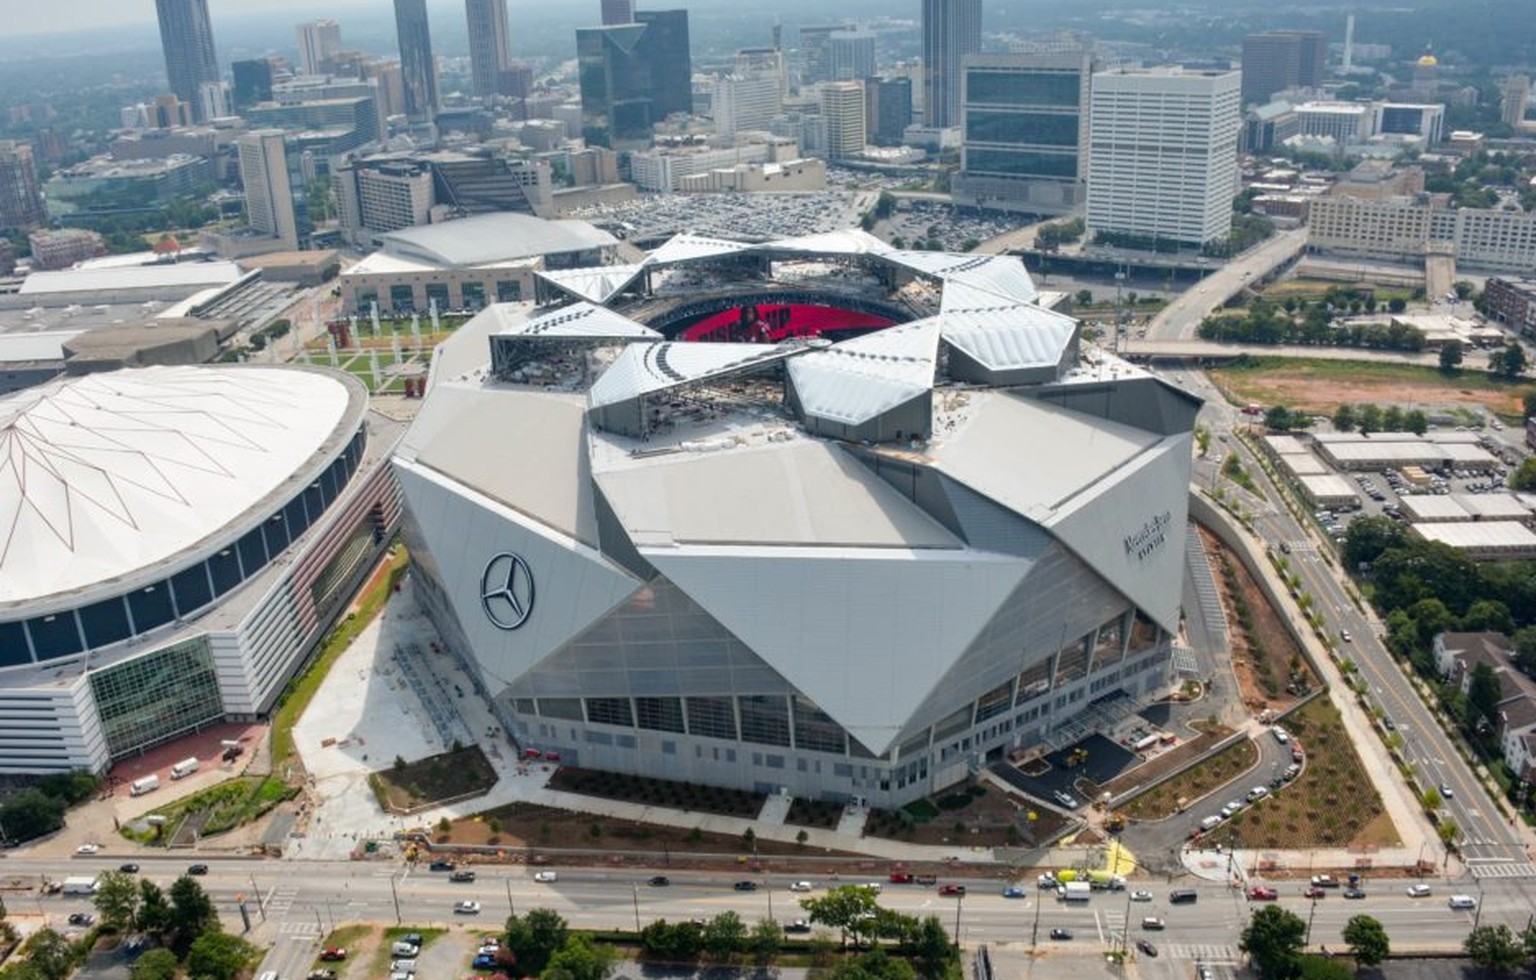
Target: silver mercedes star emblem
506	591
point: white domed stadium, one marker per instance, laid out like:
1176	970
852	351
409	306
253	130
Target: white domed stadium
173	540
851	562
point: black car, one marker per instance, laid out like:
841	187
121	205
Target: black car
81	919
128	869
660	881
1354	893
1061	933
440	866
462	876
745	886
198	869
1146	947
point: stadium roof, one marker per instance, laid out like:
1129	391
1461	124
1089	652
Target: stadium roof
105	474
598	284
581	320
644	368
488	238
858	379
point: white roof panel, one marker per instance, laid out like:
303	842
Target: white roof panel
844	241
1001	274
105	474
684	247
1488	536
190	275
495	237
1505	505
1020	337
643	368
1433	507
597	284
858	379
581	320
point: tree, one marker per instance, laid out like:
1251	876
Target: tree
1488	615
1367	940
1495	948
1415	421
1523	480
154	911
1484	692
1274	938
117	899
1528	402
1368	537
672	941
765	940
1507	363
932	952
32	814
873	965
1368	418
1396	304
1344	417
724	935
1451	356
218	956
157	964
51	955
1278	418
1524	640
534	938
1084	297
579	958
1431	799
192	912
841	908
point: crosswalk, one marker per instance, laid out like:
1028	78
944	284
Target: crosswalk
298	930
281	900
1502	869
1205	952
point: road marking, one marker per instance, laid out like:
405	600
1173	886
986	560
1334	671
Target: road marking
1207	952
1509	869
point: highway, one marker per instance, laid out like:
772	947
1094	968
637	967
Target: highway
303	901
1178	320
1492	847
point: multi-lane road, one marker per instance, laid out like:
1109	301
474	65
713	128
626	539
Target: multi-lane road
1178	320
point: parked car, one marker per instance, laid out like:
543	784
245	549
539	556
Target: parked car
333	954
128	869
483	961
321	975
462	876
797	926
440	866
1047	880
1314	892
1355	893
1325	881
87	848
900	878
1141	895
81	918
198	869
1013	891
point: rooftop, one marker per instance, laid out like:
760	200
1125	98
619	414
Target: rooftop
489	238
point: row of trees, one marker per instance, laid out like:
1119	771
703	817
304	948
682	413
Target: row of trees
1265	323
1275	939
40	810
1369	418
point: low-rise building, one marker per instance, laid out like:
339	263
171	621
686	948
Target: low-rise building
807	174
1457	655
1512	302
64	247
1401	229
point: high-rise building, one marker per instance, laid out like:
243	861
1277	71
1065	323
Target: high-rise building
951	30
842	106
616	12
253	82
633	76
319	42
1162	163
417	64
1025	127
490	46
21	198
816	52
887	109
186	38
752	94
1277	60
1517	96
268	192
852	55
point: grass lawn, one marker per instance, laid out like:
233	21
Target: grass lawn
452	775
350	938
224	807
1319	386
1331	804
1310	289
1168	798
301	690
381	956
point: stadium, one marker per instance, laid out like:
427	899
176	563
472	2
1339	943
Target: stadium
173	542
814	516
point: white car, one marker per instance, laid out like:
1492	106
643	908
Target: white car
87	848
1418	891
800	886
1141	895
468	907
546	877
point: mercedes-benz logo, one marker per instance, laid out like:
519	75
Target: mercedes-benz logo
506	591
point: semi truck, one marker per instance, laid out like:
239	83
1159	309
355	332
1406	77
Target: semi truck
1075	891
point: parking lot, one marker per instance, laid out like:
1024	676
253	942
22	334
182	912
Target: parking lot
735	216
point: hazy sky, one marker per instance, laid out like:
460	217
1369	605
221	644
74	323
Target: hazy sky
23	17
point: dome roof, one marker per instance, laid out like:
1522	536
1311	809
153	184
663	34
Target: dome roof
1427	60
105	474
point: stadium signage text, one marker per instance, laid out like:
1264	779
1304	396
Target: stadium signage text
1150	537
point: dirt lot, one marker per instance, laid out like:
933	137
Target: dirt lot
1318	387
1264	654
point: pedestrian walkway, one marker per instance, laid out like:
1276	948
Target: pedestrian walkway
1501	869
775	810
1205	952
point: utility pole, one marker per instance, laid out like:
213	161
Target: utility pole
261	905
394	894
1034	934
635	890
511	906
1308	941
959	903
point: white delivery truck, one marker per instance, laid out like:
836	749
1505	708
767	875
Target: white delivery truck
185	767
147	784
80	885
1075	891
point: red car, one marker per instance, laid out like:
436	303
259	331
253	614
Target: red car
1259	893
333	954
955	890
900	878
1314	892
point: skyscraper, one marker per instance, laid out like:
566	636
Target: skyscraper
268	192
1277	60
617	12
852	55
253	82
319	41
490	45
186	37
1025	127
816	52
633	76
951	30
1517	96
21	200
887	109
1162	162
842	106
416	61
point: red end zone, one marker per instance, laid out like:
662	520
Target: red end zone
768	323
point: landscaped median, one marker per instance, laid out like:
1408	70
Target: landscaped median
215	810
410	787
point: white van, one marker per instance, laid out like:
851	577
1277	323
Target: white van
184	768
1463	902
404	950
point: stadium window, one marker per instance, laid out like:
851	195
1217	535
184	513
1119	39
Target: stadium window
815	730
659	714
711	717
566	708
764	719
624	741
995	701
609	711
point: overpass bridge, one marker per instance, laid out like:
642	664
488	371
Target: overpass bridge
1180	318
